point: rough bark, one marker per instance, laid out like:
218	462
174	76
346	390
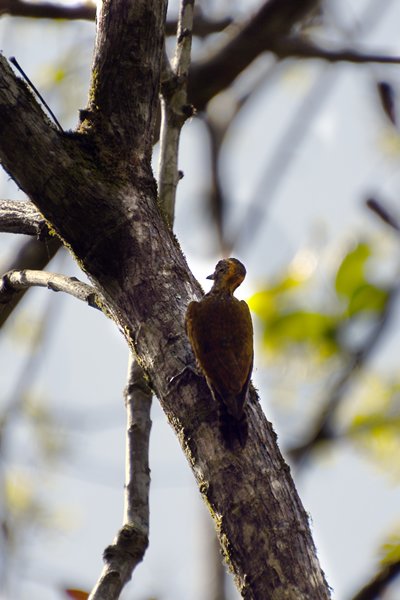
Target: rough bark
96	188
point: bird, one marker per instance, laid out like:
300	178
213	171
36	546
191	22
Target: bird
220	331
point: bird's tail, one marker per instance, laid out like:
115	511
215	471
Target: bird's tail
234	431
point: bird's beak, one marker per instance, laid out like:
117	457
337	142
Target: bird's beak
211	276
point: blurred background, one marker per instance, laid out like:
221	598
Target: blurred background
292	166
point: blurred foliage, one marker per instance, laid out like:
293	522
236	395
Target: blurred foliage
288	316
23	506
390	551
325	324
374	420
50	439
27	331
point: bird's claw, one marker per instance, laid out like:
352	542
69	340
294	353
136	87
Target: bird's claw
189	367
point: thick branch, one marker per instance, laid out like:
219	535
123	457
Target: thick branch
22	217
14	281
124	97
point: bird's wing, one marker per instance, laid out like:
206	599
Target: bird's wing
221	334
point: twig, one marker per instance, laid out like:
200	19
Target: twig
174	110
377	207
14	62
131	542
15	281
23	218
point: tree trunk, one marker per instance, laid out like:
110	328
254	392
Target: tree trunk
96	189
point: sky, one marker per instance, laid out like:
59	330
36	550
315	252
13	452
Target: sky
80	369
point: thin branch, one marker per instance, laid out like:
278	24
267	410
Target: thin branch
268	30
132	540
15	281
245	42
284	154
374	589
295	47
382	212
174	110
33	254
23	218
138	397
48	10
217	126
202	26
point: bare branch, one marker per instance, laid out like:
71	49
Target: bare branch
284	154
87	11
33	254
274	19
132	540
174	110
295	47
48	10
268	30
22	217
15	281
138	397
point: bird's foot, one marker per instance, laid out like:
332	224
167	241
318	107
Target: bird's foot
190	367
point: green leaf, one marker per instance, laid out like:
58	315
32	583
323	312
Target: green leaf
367	298
301	327
263	304
391	550
351	273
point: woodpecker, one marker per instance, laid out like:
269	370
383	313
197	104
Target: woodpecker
220	330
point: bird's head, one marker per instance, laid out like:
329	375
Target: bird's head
228	275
